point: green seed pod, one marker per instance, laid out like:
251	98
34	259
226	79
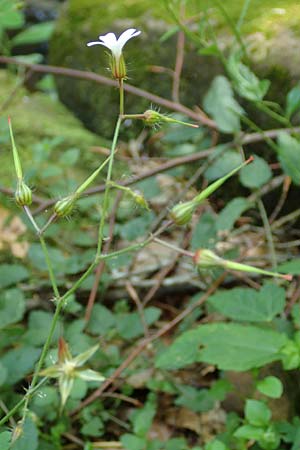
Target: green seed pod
152	118
23	194
205	258
182	213
64	207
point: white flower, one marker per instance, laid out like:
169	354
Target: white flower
115	45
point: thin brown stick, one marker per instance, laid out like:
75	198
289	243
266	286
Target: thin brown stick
178	65
285	189
145	342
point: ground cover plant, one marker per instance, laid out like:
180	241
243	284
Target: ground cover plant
149	289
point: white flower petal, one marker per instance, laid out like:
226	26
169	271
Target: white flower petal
109	40
126	35
90	44
115	45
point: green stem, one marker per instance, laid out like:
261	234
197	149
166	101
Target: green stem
268	231
20	403
49	267
121	85
107	188
263	107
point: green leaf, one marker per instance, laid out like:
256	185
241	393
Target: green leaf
249	305
29	437
102	320
19	362
288	150
245	82
38	328
292	267
224	164
12	307
12	274
132	442
257	413
204	233
249	432
216	445
256	174
34	34
270	386
176	444
94	427
3	375
137	227
292	101
229	346
5	437
197	400
221	105
129	325
142	418
231	212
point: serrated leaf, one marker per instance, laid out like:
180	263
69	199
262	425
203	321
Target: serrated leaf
245	81
248	305
231	212
197	400
270	386
256	174
257	413
221	105
229	346
102	320
19	362
11	274
288	150
129	325
12	307
38	328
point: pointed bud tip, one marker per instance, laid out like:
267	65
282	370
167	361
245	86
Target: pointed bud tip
9	120
287	277
249	160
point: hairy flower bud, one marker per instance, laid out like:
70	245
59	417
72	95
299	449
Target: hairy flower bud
152	118
64	207
23	194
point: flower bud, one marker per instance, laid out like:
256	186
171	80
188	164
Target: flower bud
118	67
152	118
23	194
139	199
182	213
64	207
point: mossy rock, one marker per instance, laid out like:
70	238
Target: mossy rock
36	117
97	105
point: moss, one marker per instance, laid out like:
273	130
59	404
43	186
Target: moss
81	22
35	117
